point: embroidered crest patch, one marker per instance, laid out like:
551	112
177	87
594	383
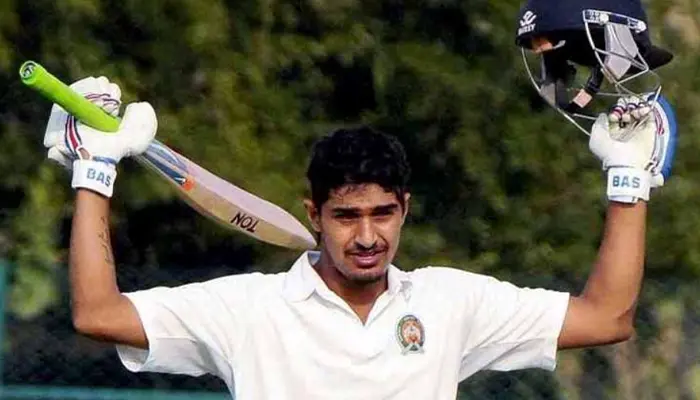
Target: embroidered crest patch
410	334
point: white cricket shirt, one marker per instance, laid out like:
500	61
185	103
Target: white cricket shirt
287	336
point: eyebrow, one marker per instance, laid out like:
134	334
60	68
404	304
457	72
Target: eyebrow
381	209
386	208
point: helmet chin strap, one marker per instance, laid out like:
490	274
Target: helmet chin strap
585	95
555	86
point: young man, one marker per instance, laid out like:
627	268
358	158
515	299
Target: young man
344	322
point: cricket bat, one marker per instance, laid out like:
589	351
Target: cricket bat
210	195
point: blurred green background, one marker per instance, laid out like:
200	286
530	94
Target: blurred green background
502	184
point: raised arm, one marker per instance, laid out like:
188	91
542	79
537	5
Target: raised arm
99	310
604	312
636	158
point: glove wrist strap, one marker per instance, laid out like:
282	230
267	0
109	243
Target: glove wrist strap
628	185
94	175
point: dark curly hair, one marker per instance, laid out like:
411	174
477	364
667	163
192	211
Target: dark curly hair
355	156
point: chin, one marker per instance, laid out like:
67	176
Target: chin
366	274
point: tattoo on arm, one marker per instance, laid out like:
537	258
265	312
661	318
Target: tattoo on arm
105	242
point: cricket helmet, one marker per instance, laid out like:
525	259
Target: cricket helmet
609	39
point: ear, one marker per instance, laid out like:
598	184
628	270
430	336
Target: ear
406	206
313	214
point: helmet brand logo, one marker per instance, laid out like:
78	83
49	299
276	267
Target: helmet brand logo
527	22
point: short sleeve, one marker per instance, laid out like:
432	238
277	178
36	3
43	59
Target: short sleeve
510	327
192	329
498	325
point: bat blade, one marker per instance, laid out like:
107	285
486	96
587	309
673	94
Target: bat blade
212	196
224	202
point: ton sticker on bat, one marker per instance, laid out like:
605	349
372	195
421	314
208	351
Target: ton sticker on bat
245	221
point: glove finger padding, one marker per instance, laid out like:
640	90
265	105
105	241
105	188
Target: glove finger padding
107	97
139	120
627	116
99	85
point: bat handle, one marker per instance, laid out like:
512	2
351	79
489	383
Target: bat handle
38	78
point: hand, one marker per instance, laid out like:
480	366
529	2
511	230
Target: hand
636	143
93	154
68	139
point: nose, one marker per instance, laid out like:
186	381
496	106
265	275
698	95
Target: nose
366	235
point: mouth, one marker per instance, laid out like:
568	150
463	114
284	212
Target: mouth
367	259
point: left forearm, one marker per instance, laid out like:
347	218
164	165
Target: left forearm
614	283
604	311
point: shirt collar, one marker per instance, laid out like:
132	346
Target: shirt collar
302	279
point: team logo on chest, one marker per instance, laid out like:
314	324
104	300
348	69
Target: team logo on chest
410	334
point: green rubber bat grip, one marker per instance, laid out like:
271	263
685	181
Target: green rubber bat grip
38	78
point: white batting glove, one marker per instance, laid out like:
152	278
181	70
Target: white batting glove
93	154
636	143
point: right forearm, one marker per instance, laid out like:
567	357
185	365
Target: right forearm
92	271
99	309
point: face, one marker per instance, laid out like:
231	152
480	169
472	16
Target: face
360	226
